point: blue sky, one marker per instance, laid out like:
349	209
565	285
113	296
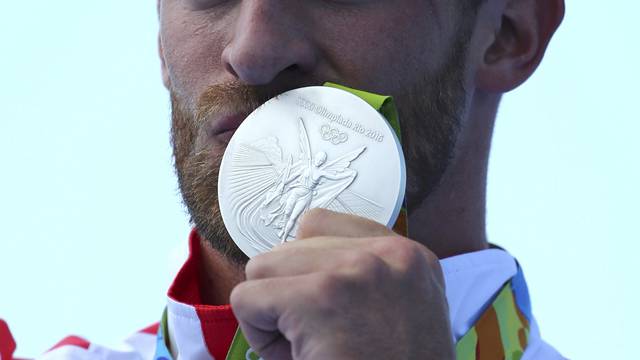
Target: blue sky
92	228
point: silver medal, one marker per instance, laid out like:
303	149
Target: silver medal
313	147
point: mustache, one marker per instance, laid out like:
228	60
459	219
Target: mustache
238	98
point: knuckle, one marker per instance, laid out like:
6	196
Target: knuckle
321	293
330	283
238	296
411	254
365	264
390	245
357	259
330	288
406	253
341	289
256	268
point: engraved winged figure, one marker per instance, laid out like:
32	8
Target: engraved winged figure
271	193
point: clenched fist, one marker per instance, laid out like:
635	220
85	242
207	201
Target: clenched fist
347	288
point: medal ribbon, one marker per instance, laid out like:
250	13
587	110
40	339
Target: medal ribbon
385	106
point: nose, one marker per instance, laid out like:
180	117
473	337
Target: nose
270	37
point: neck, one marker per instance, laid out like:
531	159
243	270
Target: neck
452	217
218	276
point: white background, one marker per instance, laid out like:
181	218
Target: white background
91	224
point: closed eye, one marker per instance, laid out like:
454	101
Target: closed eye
203	4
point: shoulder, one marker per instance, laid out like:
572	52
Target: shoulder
138	346
476	286
538	349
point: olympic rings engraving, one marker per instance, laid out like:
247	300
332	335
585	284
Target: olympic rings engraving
333	135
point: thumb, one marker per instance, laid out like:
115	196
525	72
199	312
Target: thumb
327	223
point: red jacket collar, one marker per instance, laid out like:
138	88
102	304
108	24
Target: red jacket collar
217	322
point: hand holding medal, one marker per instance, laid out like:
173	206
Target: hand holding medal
309	187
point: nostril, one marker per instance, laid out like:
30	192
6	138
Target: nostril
231	70
292	68
256	65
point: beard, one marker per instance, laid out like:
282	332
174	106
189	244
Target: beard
430	112
197	166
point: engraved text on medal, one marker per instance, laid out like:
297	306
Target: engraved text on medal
334	118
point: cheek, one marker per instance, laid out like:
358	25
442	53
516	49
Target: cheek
388	57
192	51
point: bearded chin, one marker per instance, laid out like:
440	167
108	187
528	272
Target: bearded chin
197	173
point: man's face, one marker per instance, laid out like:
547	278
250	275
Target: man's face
222	59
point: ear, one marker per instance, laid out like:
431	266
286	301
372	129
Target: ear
521	38
163	64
